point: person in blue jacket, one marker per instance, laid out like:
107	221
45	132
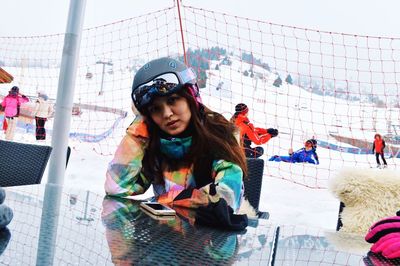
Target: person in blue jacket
307	154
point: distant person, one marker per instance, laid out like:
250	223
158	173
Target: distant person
42	112
249	133
378	147
307	154
11	104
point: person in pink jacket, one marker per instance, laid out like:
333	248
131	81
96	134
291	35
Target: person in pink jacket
11	104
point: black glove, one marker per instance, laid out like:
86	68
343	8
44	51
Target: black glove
273	132
220	215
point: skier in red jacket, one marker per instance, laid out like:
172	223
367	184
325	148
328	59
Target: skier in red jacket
378	147
249	133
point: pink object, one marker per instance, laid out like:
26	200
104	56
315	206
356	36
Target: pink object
385	242
11	102
383	227
392	251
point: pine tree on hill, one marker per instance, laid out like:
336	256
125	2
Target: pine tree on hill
278	82
289	79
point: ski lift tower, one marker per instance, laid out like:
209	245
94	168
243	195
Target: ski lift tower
104	63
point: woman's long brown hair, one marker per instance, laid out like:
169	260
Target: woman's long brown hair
212	137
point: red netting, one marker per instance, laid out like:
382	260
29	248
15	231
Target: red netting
338	88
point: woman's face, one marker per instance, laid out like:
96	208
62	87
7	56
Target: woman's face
171	113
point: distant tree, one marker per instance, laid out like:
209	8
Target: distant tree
202	79
216	67
251	73
266	67
2	63
226	61
246	73
289	79
278	82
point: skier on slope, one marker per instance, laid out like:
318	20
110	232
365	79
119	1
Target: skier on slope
378	148
307	154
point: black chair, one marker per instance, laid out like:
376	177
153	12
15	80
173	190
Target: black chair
21	163
253	184
68	154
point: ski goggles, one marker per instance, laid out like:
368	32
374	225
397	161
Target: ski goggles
162	85
309	144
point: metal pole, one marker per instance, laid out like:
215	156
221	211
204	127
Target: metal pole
102	79
85	217
102	74
183	40
65	93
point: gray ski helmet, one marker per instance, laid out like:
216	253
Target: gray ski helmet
156	68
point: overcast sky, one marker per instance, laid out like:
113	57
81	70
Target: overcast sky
366	17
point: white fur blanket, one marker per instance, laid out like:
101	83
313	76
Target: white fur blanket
368	194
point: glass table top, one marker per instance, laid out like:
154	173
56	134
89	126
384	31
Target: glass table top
90	229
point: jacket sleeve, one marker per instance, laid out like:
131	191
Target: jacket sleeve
383	145
228	184
316	157
23	99
295	157
251	132
229	181
124	176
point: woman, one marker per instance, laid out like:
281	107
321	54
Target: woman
42	112
249	133
186	151
308	154
11	104
378	147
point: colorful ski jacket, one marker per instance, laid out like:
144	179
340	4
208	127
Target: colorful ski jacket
300	156
125	177
249	133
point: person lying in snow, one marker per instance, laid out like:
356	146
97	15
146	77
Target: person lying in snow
307	154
